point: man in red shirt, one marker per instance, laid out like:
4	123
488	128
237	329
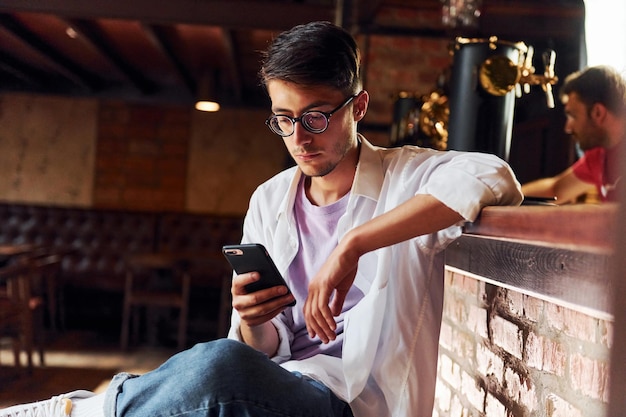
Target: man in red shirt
595	106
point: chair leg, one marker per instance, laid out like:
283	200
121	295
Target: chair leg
184	313
52	301
16	352
40	336
126	313
225	308
28	339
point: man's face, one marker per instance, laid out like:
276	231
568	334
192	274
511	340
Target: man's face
316	154
581	125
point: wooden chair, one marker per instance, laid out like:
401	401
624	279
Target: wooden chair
46	284
141	291
24	305
10	325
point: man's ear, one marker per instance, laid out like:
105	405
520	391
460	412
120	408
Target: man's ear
598	112
360	105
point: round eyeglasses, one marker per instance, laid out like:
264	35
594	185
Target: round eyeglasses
314	121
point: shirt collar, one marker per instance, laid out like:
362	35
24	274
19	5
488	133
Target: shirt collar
368	180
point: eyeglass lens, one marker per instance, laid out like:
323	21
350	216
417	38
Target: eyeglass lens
314	121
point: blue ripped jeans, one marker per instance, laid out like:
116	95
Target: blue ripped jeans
223	378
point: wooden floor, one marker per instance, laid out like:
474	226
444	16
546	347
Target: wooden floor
73	360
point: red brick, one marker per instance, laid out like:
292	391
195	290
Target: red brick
589	376
506	335
554	357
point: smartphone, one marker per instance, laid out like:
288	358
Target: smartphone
251	257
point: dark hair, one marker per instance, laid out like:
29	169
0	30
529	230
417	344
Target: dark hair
313	54
600	84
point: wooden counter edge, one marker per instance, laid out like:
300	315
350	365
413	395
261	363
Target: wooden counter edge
588	226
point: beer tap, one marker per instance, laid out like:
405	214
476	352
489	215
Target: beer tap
547	80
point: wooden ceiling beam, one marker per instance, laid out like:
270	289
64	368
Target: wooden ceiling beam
232	14
18	70
232	64
93	36
66	66
157	36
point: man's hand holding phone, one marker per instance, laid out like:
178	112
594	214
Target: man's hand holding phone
260	306
259	291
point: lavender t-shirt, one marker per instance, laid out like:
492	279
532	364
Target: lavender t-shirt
317	235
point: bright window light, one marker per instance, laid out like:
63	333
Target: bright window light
605	28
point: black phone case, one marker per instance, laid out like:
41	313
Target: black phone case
254	257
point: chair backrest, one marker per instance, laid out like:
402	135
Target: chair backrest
15	280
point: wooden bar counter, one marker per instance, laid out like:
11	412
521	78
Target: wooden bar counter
527	323
560	253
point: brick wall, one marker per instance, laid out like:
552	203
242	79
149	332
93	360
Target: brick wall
503	353
141	156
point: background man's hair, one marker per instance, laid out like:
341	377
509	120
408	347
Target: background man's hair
599	84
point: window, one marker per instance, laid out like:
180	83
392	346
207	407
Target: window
605	28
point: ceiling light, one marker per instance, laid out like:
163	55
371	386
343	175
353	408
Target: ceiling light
206	94
71	32
204	105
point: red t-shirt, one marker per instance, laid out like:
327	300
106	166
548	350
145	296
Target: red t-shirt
600	167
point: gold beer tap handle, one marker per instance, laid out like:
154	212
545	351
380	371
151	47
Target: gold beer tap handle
528	67
549	58
547	80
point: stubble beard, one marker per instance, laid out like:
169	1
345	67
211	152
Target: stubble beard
341	149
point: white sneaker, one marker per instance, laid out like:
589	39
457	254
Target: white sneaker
58	406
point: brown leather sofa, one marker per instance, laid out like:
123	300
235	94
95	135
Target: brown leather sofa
97	241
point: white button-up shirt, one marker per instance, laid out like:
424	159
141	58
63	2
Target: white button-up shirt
391	336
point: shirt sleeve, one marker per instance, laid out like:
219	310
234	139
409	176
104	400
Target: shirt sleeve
468	181
252	233
590	166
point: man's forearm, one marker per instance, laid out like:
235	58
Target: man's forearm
263	337
420	215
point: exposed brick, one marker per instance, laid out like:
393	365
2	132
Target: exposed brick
472	392
553	314
533	351
477	320
554	357
470	286
142	150
606	329
506	335
488	363
445	336
113	112
113	131
533	308
558	407
563	370
171	166
448	278
494	407
457	409
464	344
449	371
107	197
579	325
443	396
589	376
520	390
516	302
146	115
111	179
